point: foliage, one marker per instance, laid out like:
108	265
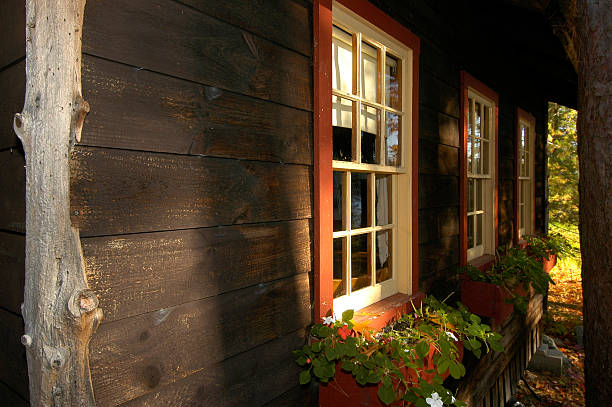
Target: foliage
562	164
387	358
513	268
553	244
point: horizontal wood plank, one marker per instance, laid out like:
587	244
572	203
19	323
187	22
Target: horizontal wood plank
13	366
438	95
438	127
135	274
438	190
286	22
118	191
10	398
12	271
12	185
135	356
12	83
12	21
197	47
141	110
438	159
249	379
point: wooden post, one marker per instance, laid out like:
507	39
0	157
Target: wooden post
59	310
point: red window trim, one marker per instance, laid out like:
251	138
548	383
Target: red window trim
323	174
528	117
468	81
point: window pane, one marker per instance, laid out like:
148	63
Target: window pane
470	117
339	267
485	156
470	141
393	140
485	122
359	200
477	129
470	196
370	117
369	64
479	220
360	262
392	82
383	256
383	200
470	231
342	122
339	223
476	157
479	197
342	60
527	163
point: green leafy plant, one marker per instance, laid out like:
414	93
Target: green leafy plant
408	359
512	269
553	244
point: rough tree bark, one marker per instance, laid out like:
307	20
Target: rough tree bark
59	310
593	44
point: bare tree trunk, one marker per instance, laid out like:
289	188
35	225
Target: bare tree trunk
593	40
59	310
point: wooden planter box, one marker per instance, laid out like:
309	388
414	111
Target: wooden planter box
344	391
488	300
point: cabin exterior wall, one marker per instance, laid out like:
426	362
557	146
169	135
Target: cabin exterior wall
192	188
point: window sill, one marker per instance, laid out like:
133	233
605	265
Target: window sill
483	262
381	313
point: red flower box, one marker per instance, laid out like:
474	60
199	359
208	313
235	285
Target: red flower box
488	300
343	390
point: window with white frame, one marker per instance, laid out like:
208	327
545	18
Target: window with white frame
480	175
525	177
371	119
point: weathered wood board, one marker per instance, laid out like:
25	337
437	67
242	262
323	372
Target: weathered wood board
196	47
12	271
252	378
159	270
132	357
290	19
13	367
141	110
117	191
12	21
12	84
12	198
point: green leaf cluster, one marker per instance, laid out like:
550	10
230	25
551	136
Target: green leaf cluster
407	359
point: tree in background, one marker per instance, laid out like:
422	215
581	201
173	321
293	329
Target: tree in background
562	164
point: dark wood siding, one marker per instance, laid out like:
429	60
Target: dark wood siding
192	189
13	368
447	47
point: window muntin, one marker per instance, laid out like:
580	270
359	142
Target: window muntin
525	177
371	126
480	175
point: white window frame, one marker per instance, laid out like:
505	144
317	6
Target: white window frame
487	181
525	178
401	185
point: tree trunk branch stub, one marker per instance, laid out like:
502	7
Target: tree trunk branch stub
60	312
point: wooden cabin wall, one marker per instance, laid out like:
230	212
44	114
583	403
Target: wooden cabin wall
192	189
13	367
444	53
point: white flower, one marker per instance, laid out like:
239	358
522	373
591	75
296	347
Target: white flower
328	320
452	399
452	336
434	400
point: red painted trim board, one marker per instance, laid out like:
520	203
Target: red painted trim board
323	174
